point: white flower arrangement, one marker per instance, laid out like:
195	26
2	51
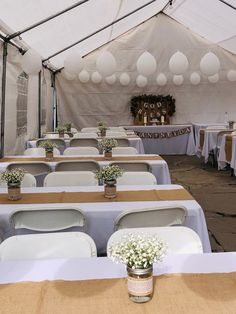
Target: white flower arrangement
47	145
61	129
138	251
109	173
14	176
107	144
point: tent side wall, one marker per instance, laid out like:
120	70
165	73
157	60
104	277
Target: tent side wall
85	103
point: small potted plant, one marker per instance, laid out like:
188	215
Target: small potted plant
102	126
106	145
48	146
138	252
61	130
109	174
13	179
68	127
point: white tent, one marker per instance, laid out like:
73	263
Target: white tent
126	29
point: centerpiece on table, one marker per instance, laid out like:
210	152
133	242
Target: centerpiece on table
13	179
68	126
106	145
61	130
48	146
138	252
109	174
102	126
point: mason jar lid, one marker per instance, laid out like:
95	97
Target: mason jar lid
139	271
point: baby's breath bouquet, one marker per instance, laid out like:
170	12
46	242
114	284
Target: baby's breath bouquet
68	127
107	144
138	251
13	177
102	125
109	173
61	129
47	145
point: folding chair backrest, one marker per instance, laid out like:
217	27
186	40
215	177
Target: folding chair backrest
90	130
70	178
61	144
81	151
82	165
38	169
133	166
179	239
86	135
81	142
114	134
47	219
28	181
39	151
123	142
151	217
47	246
124	151
137	178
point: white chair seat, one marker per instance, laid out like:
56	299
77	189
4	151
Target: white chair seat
124	151
39	151
137	178
86	135
179	239
81	151
70	178
47	245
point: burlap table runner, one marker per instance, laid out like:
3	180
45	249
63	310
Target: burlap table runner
96	197
228	147
96	158
173	294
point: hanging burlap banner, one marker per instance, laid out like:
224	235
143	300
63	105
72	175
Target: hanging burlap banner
162	135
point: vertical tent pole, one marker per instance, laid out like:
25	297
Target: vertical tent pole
4	67
54	102
39	103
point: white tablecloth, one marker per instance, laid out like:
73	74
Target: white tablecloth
135	142
198	126
178	145
159	167
101	216
222	162
104	268
210	143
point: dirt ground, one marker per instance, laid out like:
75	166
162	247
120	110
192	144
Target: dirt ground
215	191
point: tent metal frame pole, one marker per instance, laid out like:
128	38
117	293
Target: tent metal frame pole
53	16
54	123
228	4
100	30
39	102
4	76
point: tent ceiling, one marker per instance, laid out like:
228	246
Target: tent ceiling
211	19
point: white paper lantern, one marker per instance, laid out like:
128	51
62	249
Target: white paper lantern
146	64
124	79
141	81
178	63
178	79
84	76
96	78
106	64
209	64
110	79
231	75
68	76
73	63
31	62
213	78
195	78
161	79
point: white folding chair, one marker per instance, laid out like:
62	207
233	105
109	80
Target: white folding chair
55	135
28	181
40	152
78	165
216	127
81	151
116	129
81	142
70	178
151	217
124	151
90	130
47	245
133	166
180	240
86	135
48	219
73	130
114	134
137	178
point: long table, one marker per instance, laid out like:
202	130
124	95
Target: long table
166	143
227	154
158	165
101	214
183	283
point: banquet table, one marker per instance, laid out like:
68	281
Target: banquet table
198	126
101	212
227	153
134	141
168	144
158	165
183	283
